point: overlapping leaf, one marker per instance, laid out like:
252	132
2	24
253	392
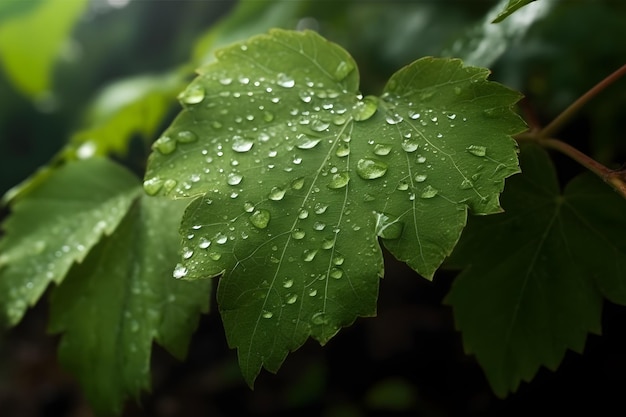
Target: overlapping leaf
56	225
534	277
296	176
119	299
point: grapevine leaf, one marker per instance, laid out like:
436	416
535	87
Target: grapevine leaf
296	176
30	43
511	7
534	277
122	296
81	202
485	42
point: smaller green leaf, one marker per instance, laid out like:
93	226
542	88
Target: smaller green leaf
119	299
30	43
510	9
57	224
533	276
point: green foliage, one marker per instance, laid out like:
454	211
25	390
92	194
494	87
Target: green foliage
298	174
281	179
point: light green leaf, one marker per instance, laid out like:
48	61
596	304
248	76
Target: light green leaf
297	175
119	299
511	7
55	226
485	42
31	42
533	277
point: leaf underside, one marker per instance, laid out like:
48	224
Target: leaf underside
295	175
535	276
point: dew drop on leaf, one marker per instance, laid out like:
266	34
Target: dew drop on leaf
343	149
382	149
180	271
153	185
169	185
339	180
343	70
305	142
393	118
429	192
477	150
260	219
165	145
338	260
420	178
413	115
291	298
409	145
320	208
298	234
285	81
276	194
248	206
370	169
319	226
267	314
187	253
336	273
312	292
309	254
298	183
303	214
288	283
319	125
241	144
204	243
364	109
186	136
194	94
234	178
319	318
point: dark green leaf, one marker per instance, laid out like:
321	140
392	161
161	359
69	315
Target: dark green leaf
511	7
56	225
533	276
119	299
298	175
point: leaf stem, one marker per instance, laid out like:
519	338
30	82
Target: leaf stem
567	114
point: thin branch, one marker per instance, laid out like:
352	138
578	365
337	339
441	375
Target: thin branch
567	114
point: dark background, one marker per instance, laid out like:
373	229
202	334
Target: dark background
407	361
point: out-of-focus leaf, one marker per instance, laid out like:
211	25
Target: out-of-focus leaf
484	43
112	306
511	7
55	226
298	175
534	276
30	43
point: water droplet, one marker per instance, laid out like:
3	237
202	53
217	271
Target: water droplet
343	70
319	125
421	159
169	185
387	226
267	314
319	318
288	283
291	298
320	208
403	186
303	214
215	256
305	142
477	150
298	183
276	194
180	271
328	243
420	178
165	145
248	206
413	115
364	109
241	144
409	145
285	81
339	180
370	169
336	273
319	226
186	136
343	149
338	260
226	81
382	149
451	116
153	185
187	253
260	219
234	178
268	116
216	125
429	192
298	234
204	243
309	254
194	94
393	118
312	292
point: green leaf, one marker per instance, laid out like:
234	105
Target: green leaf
30	43
297	175
533	277
56	225
119	299
511	7
485	42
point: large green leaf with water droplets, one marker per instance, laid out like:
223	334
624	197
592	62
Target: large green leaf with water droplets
296	175
534	276
56	225
112	306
